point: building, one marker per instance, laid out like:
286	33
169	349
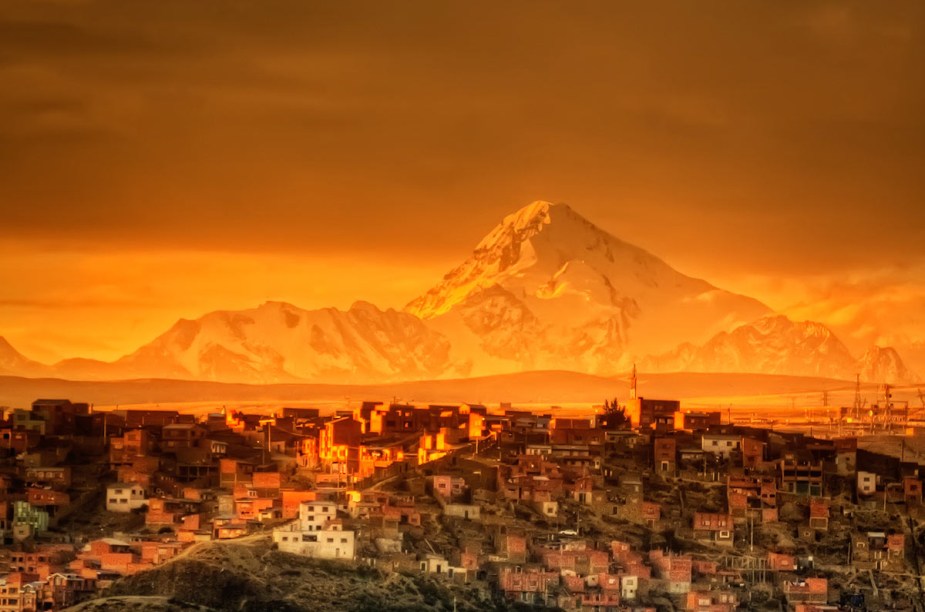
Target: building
317	533
654	414
721	444
867	483
811	590
714	527
665	456
124	497
819	514
181	435
697	421
801	474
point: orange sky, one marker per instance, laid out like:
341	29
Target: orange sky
164	159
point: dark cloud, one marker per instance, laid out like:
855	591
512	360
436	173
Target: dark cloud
788	133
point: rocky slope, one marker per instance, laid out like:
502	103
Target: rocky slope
249	576
883	364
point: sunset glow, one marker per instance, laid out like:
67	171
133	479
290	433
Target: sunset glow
154	173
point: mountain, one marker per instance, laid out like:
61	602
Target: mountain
278	342
544	290
13	362
777	345
883	364
548	289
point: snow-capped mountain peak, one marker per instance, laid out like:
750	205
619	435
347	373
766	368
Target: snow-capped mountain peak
545	289
592	299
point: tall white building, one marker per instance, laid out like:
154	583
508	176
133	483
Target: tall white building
317	533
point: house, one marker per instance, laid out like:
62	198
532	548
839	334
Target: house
810	590
819	514
316	533
43	560
69	589
912	490
124	497
720	444
846	455
532	585
697	421
779	562
449	488
17	592
754	452
579	559
716	528
511	546
676	571
752	497
292	500
710	601
130	446
665	455
59	415
866	484
48	499
654	414
877	550
54	477
181	435
801	473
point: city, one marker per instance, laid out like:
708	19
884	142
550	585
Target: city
462	306
642	505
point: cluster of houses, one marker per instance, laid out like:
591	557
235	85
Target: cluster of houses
580	513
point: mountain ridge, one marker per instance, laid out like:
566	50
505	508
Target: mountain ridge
545	289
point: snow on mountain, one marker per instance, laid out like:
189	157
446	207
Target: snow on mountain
544	290
548	289
777	345
14	363
278	342
884	365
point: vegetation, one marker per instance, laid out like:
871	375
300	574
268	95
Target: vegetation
614	416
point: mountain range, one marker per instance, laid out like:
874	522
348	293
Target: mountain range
546	289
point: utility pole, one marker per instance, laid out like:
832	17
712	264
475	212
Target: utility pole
751	532
857	397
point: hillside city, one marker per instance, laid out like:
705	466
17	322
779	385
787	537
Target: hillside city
643	505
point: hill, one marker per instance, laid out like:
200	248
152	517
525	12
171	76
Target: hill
551	387
250	576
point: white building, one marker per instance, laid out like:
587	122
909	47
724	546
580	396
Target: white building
628	587
125	497
867	483
316	533
720	444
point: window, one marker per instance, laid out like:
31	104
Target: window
343	540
